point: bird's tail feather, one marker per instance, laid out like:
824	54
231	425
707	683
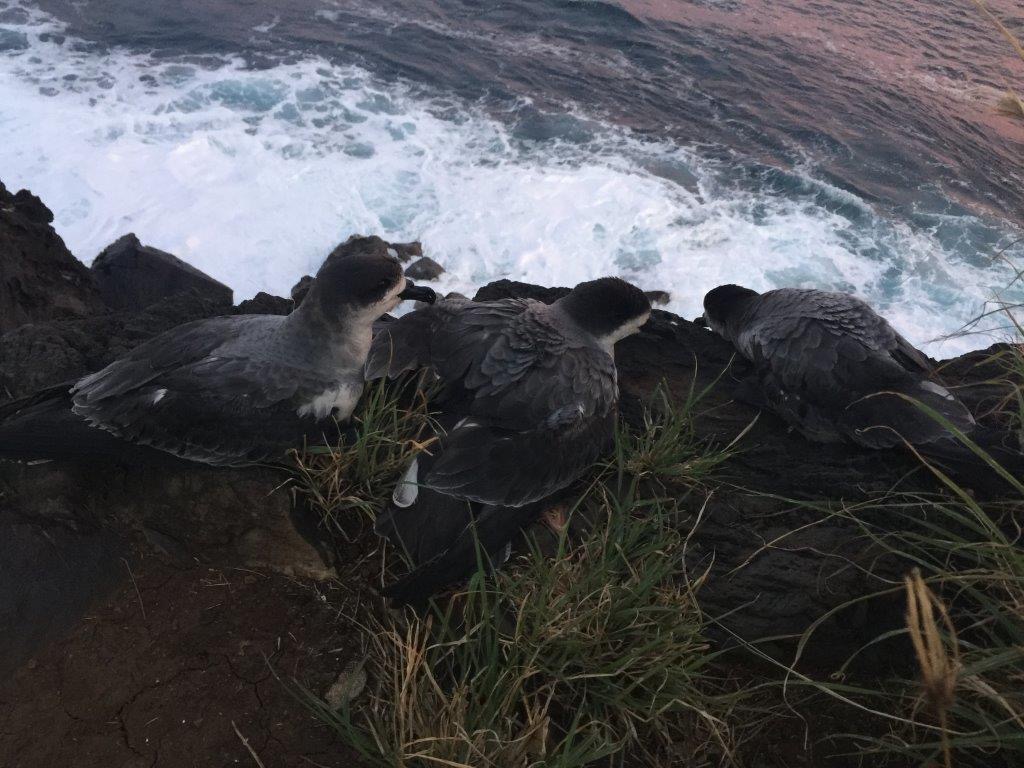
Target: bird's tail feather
425	529
487	534
970	470
42	427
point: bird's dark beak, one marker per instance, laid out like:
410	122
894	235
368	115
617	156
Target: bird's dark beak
702	322
414	292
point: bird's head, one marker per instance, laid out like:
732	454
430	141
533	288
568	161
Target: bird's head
724	303
608	308
361	279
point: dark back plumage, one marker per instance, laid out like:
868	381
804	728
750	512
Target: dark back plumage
536	394
831	366
530	396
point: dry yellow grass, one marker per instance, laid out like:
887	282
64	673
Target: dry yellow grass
937	658
1011	103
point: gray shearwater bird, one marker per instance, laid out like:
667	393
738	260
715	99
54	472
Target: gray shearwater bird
225	390
836	371
528	402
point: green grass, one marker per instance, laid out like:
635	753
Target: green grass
964	618
348	483
566	661
597	656
665	449
971	559
582	658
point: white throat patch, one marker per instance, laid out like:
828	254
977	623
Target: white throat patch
608	342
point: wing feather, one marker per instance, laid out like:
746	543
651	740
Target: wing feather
178	393
540	404
823	360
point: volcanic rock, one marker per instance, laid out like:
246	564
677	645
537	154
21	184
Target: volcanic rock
424	269
264	304
39	278
132	276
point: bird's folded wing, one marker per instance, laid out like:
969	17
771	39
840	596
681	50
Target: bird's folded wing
849	362
541	411
177	347
477	543
540	405
490	465
446	335
219	410
821	361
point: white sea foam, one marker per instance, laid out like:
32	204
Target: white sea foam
254	175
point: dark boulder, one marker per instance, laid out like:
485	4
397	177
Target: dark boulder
424	269
658	297
406	251
38	355
39	278
264	304
132	276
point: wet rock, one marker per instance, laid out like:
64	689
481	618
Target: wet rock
658	297
39	278
42	354
424	268
300	289
264	304
132	276
504	289
406	251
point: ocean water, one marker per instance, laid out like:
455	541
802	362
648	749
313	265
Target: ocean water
251	153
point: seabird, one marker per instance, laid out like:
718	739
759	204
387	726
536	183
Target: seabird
226	390
528	402
836	371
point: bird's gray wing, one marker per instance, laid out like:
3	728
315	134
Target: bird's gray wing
824	358
179	346
464	329
827	345
493	465
541	409
175	393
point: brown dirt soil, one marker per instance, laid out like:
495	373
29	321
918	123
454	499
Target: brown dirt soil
161	677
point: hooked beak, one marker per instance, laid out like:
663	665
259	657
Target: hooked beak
414	292
702	322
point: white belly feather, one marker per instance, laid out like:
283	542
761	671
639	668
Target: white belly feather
340	401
